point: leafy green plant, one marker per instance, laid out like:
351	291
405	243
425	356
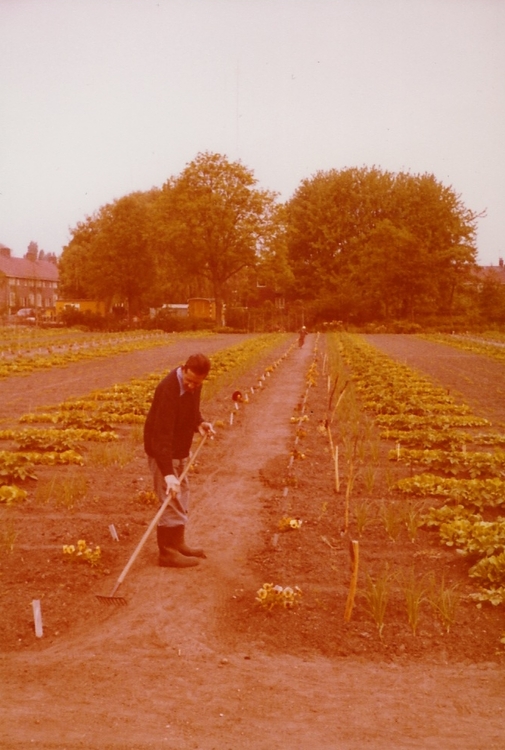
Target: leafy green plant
494	595
10	494
53	458
81	552
289	524
435	517
15	466
473	464
490	569
58	440
270	596
473	536
477	492
147	497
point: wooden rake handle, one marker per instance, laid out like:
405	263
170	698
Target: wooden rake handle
156	519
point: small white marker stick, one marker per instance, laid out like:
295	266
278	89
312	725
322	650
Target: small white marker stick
231	417
37	618
236	406
113	532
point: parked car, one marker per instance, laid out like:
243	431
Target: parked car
26	315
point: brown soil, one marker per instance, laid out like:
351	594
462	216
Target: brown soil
193	662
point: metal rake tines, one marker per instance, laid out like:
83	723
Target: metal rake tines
117	601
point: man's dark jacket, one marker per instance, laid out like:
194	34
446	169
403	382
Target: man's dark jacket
171	422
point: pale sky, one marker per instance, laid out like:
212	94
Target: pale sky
99	98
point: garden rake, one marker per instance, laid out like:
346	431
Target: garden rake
120	600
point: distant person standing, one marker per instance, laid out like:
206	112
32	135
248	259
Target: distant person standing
301	336
173	419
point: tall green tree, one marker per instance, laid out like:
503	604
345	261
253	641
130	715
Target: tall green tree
400	243
212	221
109	256
74	281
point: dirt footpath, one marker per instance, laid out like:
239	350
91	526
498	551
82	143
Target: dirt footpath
159	674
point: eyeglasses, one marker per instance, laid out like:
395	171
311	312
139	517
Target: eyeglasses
191	380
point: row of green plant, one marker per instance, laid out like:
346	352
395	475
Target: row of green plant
418	592
493	348
22	358
89	420
461	463
128	403
428	438
53	439
476	482
359	453
19	466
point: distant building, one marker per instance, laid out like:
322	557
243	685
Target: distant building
491	273
498	272
202	307
179	311
82	305
27	283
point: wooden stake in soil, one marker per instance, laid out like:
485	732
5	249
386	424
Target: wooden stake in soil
330	438
350	482
354	547
339	399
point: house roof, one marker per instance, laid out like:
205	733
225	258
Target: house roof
493	272
22	268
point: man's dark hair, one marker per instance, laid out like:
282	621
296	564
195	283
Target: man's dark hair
199	364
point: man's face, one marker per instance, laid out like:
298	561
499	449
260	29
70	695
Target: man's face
191	380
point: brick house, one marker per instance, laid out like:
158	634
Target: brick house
27	282
497	273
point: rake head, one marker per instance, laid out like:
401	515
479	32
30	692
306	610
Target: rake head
116	601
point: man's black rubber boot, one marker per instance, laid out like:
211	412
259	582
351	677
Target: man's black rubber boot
170	557
181	545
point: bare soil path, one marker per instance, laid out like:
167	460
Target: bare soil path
163	672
